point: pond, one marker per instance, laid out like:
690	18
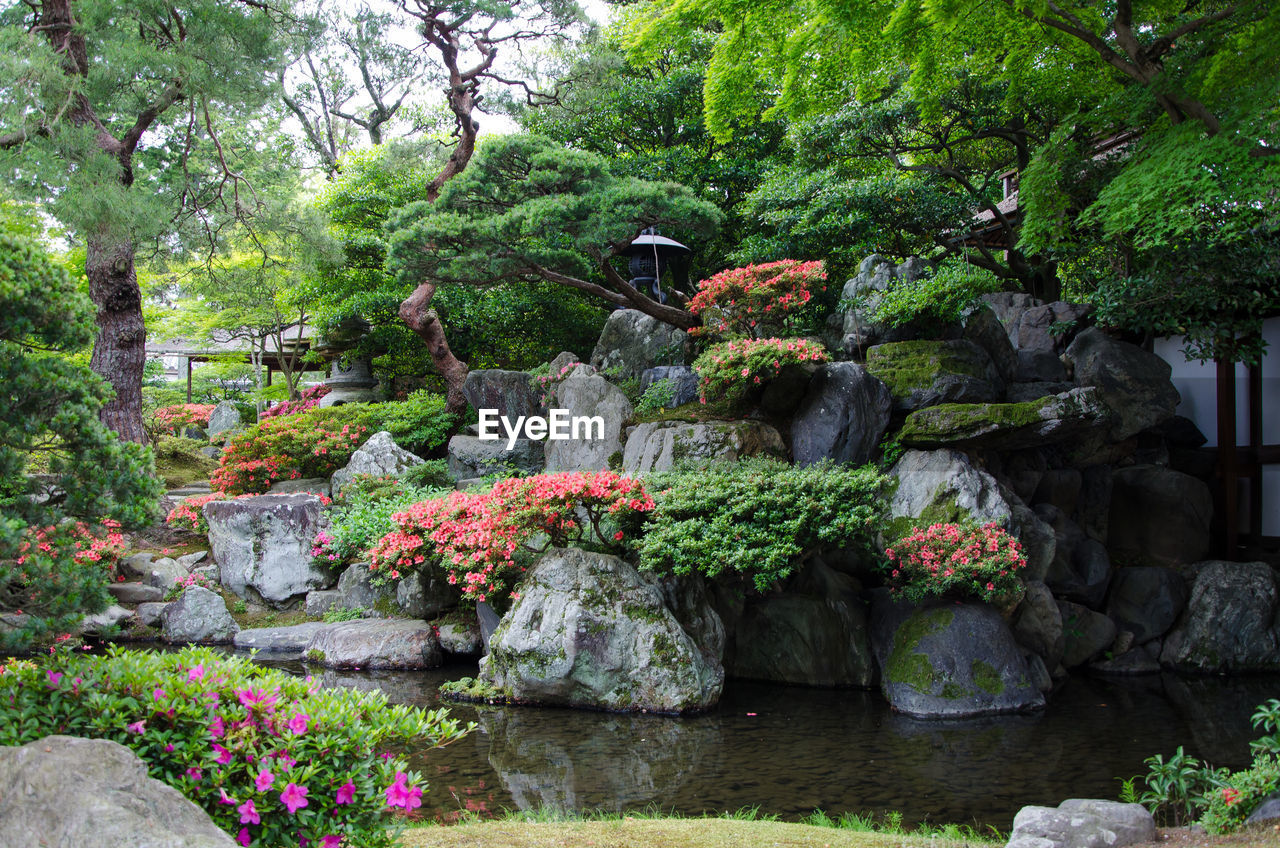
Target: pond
790	750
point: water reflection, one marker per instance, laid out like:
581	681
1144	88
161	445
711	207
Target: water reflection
790	750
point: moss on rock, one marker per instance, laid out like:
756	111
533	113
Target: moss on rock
905	664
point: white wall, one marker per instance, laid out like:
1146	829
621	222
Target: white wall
1197	383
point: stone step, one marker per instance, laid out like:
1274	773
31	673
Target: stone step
198	487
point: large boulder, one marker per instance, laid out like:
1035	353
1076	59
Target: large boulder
263	546
1134	384
927	373
588	631
658	445
471	456
198	616
950	661
375	643
843	416
1006	426
633	342
292	639
1037	624
982	327
380	456
425	593
865	292
1158	516
514	394
682	380
1231	621
94	793
1046	326
1081	568
1082	823
1146	601
225	418
589	397
1086	633
943	486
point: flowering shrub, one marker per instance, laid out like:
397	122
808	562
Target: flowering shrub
309	444
730	370
308	398
363	515
1230	804
174	419
756	517
195	578
59	573
187	515
479	535
547	383
954	561
757	301
274	759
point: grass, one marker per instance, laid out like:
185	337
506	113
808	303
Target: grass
555	829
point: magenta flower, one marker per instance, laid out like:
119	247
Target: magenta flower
137	727
294	797
243	836
284	760
224	798
250	698
298	724
55	677
195	773
195	673
400	795
157	694
264	780
346	794
249	813
330	841
217	728
224	756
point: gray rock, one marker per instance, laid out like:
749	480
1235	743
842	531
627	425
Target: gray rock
94	793
165	573
375	643
425	593
356	589
1059	487
1146	601
199	616
590	397
1133	662
658	445
293	639
927	373
1134	384
689	599
471	457
1268	810
843	416
1008	308
1023	392
461	640
137	565
683	382
225	419
632	342
1006	426
514	394
1082	823
588	631
983	328
263	546
1086	633
1035	325
190	561
859	329
111	617
562	361
380	456
1231	621
1040	366
817	637
1037	624
149	613
307	485
135	593
952	661
1158	516
320	601
1081	569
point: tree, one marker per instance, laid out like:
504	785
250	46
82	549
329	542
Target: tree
49	420
86	81
528	210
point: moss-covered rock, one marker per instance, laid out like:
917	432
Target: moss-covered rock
927	373
657	446
1006	426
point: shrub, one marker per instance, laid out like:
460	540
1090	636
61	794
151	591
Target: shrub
195	578
1237	795
937	299
1178	789
757	301
757	517
418	423
731	371
310	444
548	382
948	560
363	515
660	395
189	515
173	420
432	474
480	536
308	399
272	758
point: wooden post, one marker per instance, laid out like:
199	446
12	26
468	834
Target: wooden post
1227	460
1255	454
188	379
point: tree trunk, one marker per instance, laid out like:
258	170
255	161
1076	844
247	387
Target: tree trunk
119	352
416	312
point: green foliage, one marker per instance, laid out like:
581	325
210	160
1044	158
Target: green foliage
937	299
264	731
528	210
50	421
1178	789
738	370
656	398
418	423
362	516
334	614
432	474
1240	793
757	518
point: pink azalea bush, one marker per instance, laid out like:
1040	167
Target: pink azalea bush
770	299
732	371
274	759
174	419
950	560
312	444
308	399
479	536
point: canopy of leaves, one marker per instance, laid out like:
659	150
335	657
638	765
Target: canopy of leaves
528	210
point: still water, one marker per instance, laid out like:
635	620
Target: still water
791	750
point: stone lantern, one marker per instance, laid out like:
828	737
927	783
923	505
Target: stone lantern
652	256
352	381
